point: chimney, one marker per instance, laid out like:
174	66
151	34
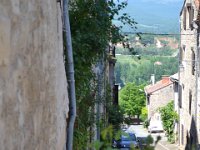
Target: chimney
153	79
165	79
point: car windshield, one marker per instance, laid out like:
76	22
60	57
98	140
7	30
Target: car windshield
130	137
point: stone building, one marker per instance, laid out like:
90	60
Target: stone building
188	76
104	71
33	86
174	78
159	95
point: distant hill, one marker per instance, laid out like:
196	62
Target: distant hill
158	16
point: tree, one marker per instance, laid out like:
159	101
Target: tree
132	99
92	30
140	71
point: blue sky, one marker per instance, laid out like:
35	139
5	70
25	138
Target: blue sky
163	1
155	15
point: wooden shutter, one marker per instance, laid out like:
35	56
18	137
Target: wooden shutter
193	62
182	134
190	101
191	16
116	101
180	96
181	54
184	19
198	61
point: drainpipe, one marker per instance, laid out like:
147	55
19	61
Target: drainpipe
70	77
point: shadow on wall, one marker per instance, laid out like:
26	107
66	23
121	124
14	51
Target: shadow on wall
191	137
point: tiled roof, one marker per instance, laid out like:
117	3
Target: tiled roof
158	85
197	3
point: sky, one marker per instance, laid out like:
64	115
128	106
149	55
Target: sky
162	1
155	15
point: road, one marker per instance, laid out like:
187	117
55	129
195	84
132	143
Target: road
161	145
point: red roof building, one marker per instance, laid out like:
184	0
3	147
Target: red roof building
159	85
158	95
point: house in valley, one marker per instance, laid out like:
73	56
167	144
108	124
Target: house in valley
158	94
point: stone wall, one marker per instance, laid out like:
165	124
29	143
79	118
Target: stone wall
160	98
187	80
33	87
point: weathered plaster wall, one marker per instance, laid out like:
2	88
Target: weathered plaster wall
33	89
187	80
160	98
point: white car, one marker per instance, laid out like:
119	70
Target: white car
155	126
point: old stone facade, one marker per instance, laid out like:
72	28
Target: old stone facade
159	95
104	71
174	78
33	87
188	104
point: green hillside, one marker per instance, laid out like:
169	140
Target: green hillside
131	69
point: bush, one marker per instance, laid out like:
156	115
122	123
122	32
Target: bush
144	114
115	115
169	117
146	123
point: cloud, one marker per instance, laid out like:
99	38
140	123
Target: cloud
147	26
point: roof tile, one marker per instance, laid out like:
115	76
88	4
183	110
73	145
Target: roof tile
158	85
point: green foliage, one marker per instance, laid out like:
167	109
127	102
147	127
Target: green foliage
139	71
115	116
169	117
146	123
147	39
153	51
107	136
92	30
149	140
132	99
144	114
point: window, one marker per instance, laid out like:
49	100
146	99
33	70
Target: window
184	18
115	95
180	96
182	53
198	59
148	101
188	11
182	134
190	101
176	87
193	61
191	15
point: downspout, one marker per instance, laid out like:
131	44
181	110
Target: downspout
70	77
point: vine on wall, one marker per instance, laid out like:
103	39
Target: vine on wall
92	30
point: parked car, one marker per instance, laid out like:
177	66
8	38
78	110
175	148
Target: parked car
155	128
155	124
127	140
